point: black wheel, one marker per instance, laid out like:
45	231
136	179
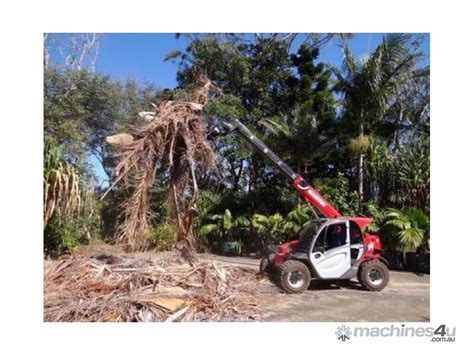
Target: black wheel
293	276
373	275
266	263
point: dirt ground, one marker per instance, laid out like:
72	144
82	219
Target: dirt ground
405	299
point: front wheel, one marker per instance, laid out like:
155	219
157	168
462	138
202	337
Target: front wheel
373	275
293	276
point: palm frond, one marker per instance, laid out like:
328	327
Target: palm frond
209	229
61	184
349	63
175	140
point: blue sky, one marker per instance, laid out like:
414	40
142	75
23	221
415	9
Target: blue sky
139	56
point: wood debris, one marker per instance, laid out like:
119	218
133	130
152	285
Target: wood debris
133	288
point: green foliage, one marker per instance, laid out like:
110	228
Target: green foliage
404	230
226	106
379	217
270	228
259	229
338	192
208	202
296	219
412	170
75	107
374	92
412	227
224	227
360	144
81	108
70	207
161	236
60	238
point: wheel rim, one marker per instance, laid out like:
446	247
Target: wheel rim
295	278
375	277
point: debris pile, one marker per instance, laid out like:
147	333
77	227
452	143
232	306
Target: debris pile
110	288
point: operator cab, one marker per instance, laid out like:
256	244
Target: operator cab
332	246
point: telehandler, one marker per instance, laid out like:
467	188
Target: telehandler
331	247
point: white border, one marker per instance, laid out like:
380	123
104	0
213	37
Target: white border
21	174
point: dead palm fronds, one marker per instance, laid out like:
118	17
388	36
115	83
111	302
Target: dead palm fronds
62	194
119	288
173	138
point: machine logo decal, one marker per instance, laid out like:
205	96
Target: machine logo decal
317	198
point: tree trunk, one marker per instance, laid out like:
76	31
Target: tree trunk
361	181
360	189
396	137
238	175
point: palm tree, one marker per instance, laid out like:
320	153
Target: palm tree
413	227
369	87
412	170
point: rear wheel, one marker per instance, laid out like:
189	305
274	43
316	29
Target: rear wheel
293	276
373	275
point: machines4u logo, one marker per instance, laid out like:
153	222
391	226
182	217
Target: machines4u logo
343	333
441	333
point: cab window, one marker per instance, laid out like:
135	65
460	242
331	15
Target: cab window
355	233
331	236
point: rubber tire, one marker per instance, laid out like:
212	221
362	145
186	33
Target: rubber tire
290	266
363	275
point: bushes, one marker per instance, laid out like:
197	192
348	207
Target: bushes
70	211
402	230
162	237
255	232
59	238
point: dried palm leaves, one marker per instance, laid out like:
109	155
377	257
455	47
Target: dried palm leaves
174	138
62	194
114	288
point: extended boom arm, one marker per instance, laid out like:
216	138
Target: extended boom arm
308	193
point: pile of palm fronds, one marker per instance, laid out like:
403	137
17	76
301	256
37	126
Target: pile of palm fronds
174	138
115	288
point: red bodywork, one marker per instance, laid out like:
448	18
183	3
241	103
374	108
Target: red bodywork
311	195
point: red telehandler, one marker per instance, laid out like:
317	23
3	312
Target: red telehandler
331	247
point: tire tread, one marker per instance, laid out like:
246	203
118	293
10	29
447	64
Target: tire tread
284	269
362	275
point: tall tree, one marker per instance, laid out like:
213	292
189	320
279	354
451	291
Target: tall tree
265	81
369	88
74	51
81	108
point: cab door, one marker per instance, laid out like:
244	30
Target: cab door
330	253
